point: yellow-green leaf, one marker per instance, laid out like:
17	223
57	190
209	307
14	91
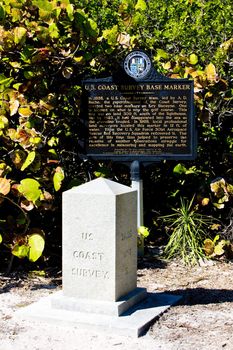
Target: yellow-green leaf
58	177
143	231
53	31
218	250
205	201
70	11
215	227
91	27
35	140
21	251
141	5
29	160
219	206
161	54
30	189
79	59
111	35
0	238
230	189
179	169
3	122
24	111
19	35
211	72
36	244
193	59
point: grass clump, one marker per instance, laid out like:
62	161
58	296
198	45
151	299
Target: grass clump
188	230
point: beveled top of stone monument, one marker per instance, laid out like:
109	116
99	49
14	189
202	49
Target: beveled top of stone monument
102	186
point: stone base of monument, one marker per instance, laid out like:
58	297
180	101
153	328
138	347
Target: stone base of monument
134	320
112	308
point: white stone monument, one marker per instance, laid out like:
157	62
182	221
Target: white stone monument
100	248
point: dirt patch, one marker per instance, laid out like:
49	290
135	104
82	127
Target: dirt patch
203	320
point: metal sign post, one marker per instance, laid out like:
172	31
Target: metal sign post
137	184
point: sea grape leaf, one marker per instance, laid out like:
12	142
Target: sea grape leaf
219	248
210	71
205	201
19	35
193	59
111	35
2	13
30	189
179	169
53	31
208	246
79	59
230	189
58	177
3	122
70	11
141	5
18	157
29	160
80	16
5	186
161	54
219	205
6	82
26	205
36	244
91	27
67	72
25	111
143	231
218	186
14	105
21	251
124	39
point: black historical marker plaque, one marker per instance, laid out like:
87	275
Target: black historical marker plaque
137	116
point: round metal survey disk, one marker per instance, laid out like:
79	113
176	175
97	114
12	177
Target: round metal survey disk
137	64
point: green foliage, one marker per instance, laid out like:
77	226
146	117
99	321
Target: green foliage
222	190
36	245
217	248
29	188
143	231
58	177
47	47
188	228
32	248
21	251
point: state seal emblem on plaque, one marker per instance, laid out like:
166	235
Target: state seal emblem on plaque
137	64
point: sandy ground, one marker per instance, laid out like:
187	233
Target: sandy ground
203	320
